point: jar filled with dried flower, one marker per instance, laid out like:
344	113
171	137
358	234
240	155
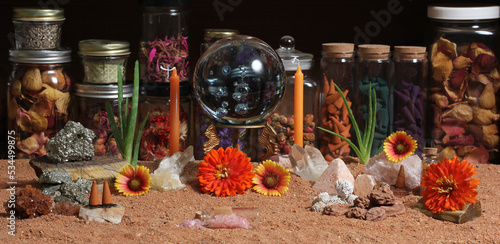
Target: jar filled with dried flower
464	82
38	98
90	111
38	28
102	59
410	86
374	69
337	66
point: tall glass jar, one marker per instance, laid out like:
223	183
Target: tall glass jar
464	84
38	98
337	66
212	35
374	67
156	133
37	29
90	111
163	45
410	88
282	120
101	60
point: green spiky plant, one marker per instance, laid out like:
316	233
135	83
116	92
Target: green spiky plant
365	141
124	135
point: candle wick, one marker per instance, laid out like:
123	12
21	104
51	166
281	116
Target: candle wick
168	70
295	60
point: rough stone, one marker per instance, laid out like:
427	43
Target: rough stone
55	177
322	197
307	162
113	214
344	188
335	171
336	209
318	207
351	198
64	199
375	214
364	184
357	213
382	196
384	170
75	190
51	190
285	162
72	143
166	181
470	212
362	202
397	208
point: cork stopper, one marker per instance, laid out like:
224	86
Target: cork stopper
338	50
94	195
430	150
400	181
106	194
410	52
374	51
222	210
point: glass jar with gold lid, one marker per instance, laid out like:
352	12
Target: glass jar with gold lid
38	28
101	60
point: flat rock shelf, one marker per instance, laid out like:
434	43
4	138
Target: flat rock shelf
153	217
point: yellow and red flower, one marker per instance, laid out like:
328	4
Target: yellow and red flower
225	172
399	146
271	179
133	182
447	185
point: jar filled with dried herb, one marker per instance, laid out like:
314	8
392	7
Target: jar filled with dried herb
156	133
337	66
282	120
163	45
410	86
90	111
101	60
38	28
374	68
38	98
464	82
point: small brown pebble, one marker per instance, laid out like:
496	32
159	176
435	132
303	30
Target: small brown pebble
375	214
362	202
357	213
382	196
336	209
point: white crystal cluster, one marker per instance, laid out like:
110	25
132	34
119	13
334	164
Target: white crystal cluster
167	176
344	189
307	162
386	171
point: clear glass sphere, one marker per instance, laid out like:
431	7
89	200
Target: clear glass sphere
239	80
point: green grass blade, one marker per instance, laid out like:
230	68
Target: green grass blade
373	120
354	147
138	141
132	119
120	101
369	121
351	116
114	128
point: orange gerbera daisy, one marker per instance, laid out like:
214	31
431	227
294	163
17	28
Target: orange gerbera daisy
133	182
225	172
271	179
399	146
447	185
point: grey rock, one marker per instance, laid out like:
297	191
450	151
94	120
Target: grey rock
76	190
51	190
55	177
72	143
64	199
84	185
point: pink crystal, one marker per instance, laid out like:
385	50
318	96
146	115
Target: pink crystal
192	223
232	221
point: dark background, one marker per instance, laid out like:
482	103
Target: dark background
310	22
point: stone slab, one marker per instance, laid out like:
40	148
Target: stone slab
470	212
112	214
99	169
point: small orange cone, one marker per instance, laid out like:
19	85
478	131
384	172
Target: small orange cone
94	195
400	181
106	194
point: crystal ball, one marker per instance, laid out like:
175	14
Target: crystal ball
239	80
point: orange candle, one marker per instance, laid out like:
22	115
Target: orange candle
298	108
174	112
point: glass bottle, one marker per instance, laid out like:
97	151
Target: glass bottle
429	156
247	218
282	119
212	35
101	60
464	81
337	66
374	67
156	133
38	28
410	86
90	111
163	45
38	98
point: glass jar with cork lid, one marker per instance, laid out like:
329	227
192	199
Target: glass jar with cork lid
37	29
337	66
374	68
410	92
464	81
102	59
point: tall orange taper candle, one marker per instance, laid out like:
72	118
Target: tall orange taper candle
298	108
174	112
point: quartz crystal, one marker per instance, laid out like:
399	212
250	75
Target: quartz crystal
307	162
384	170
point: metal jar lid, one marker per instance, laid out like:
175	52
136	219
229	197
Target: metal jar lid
219	33
99	47
103	91
35	14
62	55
